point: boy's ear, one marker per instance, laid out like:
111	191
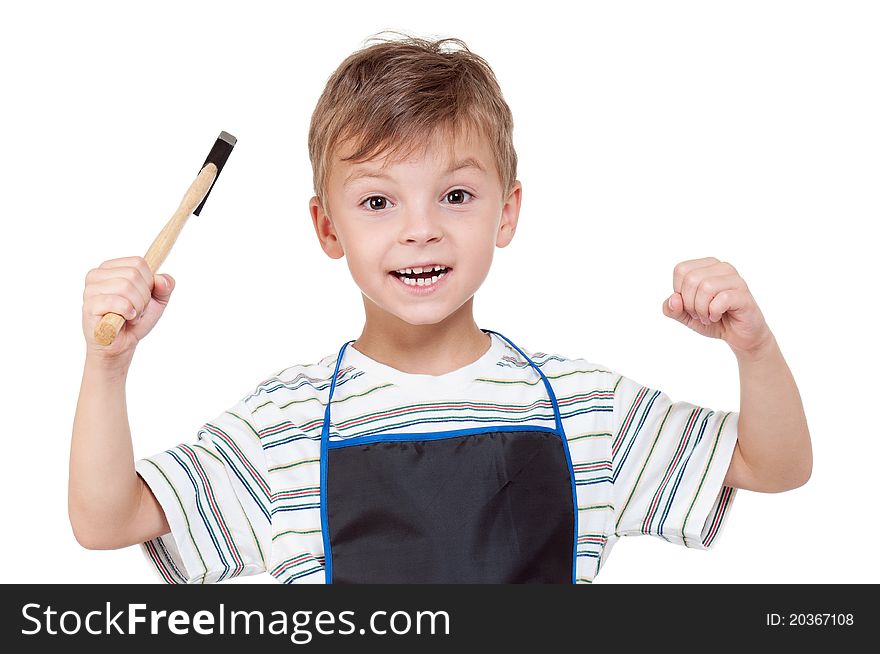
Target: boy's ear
509	215
325	230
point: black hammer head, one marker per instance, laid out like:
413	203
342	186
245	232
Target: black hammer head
217	156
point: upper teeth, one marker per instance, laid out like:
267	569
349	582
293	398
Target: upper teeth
416	271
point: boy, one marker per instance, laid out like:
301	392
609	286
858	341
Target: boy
427	450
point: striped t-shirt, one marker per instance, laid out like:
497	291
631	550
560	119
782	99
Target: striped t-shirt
244	497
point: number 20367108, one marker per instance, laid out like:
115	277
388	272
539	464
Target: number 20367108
809	619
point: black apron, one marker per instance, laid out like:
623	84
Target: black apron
494	504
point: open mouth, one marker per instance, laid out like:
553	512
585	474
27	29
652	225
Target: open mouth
422	276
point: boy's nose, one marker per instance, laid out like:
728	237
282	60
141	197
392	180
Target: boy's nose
421	226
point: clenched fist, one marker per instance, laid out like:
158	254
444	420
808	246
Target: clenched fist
128	287
711	298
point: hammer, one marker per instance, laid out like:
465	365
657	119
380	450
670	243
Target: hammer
192	203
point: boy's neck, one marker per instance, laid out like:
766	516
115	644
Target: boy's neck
423	349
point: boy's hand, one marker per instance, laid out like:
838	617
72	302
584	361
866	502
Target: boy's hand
128	287
712	299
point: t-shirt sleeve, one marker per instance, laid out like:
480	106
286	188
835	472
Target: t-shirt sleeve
216	497
669	460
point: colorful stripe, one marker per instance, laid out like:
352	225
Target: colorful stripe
724	499
206	491
181	511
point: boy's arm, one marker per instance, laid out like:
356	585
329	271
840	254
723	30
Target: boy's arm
109	505
773	451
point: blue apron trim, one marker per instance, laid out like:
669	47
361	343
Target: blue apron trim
325	446
432	436
561	431
325	438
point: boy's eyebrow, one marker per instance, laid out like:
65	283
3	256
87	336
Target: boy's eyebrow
470	162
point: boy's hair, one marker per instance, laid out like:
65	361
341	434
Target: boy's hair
396	95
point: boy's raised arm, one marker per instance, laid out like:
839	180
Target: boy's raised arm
109	505
773	451
775	440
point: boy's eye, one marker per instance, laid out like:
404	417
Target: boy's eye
457	193
376	202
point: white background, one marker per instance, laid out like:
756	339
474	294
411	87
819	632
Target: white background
647	133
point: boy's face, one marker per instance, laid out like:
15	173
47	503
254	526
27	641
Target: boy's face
418	212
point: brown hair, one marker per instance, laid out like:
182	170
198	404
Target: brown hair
397	94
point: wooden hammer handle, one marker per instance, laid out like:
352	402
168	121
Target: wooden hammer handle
109	325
